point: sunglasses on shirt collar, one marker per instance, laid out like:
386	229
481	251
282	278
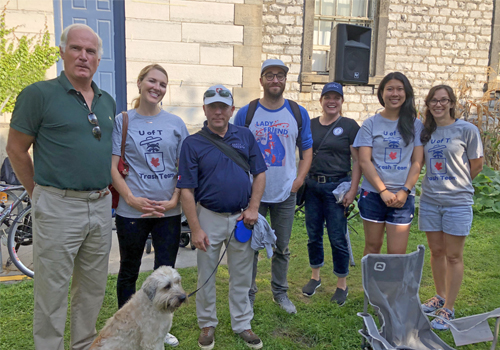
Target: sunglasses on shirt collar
96	130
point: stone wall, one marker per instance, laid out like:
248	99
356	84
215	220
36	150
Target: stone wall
431	41
193	40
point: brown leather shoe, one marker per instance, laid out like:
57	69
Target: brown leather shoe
206	340
251	339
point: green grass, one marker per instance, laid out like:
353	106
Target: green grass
318	324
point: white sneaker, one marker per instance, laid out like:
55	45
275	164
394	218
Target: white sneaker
171	340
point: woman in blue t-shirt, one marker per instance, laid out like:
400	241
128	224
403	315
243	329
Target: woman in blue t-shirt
453	157
391	156
333	136
148	195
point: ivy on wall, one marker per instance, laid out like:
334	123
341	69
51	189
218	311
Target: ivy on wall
23	61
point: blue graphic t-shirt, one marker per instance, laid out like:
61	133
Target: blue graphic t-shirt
152	148
390	156
447	180
276	132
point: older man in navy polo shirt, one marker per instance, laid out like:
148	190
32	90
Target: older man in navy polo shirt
216	193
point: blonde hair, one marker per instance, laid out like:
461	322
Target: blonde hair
142	74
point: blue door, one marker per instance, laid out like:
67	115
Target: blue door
97	14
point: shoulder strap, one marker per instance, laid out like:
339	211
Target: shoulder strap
252	106
229	151
298	118
326	135
124	132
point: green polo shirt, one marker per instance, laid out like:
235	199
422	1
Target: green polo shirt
65	153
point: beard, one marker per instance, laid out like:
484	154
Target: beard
274	95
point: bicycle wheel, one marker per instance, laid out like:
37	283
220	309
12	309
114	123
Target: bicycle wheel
20	242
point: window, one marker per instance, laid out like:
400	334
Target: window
320	16
327	14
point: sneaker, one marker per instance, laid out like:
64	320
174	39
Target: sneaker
206	340
340	296
438	323
285	303
251	339
171	340
310	288
432	304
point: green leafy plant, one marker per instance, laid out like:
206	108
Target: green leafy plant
23	61
487	191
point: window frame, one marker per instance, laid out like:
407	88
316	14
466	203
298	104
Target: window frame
379	30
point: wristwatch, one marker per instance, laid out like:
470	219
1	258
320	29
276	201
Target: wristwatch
408	191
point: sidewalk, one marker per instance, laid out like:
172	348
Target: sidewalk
186	257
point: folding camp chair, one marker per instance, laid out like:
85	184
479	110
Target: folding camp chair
391	284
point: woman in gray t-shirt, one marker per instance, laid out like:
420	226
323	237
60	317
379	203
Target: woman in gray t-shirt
391	156
148	195
453	157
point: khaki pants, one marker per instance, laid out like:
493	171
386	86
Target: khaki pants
71	236
218	228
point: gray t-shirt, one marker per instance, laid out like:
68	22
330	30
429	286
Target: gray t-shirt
152	148
447	181
390	156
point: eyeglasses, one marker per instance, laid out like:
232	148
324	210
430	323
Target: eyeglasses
96	130
222	93
270	76
442	102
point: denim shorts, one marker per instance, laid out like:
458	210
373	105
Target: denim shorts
372	208
455	221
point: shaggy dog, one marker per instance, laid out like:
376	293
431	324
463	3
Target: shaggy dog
144	321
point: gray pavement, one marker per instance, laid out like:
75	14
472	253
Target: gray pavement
186	257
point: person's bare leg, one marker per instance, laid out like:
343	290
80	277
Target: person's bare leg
374	237
454	268
397	238
436	241
315	274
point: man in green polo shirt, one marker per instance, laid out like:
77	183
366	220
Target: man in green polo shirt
69	122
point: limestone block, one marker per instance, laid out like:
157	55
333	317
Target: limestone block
165	52
293	50
247	56
251	77
252	36
277	9
293	30
476	14
193	74
274	29
473	29
286	19
271	19
201	11
29	22
158	9
453	4
217	56
436	68
296	40
249	15
286	58
186	95
280	39
39	5
276	49
140	29
296	10
192	116
211	33
420	67
243	96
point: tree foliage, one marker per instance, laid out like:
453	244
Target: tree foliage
23	61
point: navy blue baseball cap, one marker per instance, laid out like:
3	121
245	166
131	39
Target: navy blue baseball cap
333	86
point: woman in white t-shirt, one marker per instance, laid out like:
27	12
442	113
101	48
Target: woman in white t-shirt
453	157
391	156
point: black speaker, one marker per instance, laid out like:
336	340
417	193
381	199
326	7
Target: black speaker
350	54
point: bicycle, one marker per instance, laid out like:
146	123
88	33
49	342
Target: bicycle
19	229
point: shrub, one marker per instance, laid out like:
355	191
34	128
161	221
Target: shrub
23	61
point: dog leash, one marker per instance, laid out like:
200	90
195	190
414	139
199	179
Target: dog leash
222	256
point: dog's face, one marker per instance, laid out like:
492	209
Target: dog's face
163	288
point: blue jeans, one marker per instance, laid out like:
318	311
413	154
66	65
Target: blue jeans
132	235
282	215
321	206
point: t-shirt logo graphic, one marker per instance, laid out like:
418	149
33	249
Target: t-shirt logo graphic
268	138
438	161
338	131
153	156
393	152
